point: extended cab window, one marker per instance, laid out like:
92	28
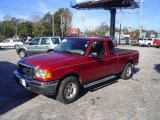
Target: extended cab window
45	41
35	41
98	47
111	47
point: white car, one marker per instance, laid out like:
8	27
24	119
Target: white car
146	42
11	43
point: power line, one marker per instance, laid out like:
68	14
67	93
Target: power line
19	9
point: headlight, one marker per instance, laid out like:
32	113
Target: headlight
43	74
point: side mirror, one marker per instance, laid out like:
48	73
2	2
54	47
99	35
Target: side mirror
94	55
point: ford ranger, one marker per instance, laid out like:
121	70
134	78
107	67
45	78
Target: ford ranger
77	62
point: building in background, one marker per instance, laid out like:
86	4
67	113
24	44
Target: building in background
74	32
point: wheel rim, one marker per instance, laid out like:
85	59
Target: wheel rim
129	71
22	54
70	91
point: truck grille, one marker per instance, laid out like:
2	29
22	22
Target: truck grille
26	70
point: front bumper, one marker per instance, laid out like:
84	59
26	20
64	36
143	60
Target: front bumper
45	88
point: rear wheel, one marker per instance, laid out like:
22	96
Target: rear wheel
49	51
22	53
68	90
16	46
149	45
127	72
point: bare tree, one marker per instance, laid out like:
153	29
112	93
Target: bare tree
35	18
7	18
67	20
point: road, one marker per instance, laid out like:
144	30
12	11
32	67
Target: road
134	99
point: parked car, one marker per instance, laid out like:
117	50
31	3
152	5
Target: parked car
37	46
76	62
12	42
156	42
134	42
124	40
146	42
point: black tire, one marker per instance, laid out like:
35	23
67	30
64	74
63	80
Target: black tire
49	51
68	90
149	45
22	53
127	72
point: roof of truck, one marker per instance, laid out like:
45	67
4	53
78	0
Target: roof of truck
90	38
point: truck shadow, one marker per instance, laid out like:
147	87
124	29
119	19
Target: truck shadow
11	94
84	91
136	70
103	84
96	87
157	67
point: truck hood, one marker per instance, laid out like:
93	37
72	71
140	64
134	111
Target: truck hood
52	60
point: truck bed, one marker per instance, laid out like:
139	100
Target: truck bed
123	51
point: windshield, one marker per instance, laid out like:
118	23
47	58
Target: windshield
73	46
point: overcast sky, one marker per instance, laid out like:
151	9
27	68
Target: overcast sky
84	18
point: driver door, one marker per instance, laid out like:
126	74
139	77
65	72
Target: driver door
33	47
97	68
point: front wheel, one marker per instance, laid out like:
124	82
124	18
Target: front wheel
68	90
127	72
22	53
149	45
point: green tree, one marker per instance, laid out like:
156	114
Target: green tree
62	19
103	29
25	29
47	24
7	29
38	29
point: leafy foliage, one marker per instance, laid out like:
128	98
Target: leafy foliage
37	26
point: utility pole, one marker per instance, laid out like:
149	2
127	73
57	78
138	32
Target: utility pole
53	31
4	31
62	25
141	18
120	33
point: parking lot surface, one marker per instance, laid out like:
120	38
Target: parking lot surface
134	99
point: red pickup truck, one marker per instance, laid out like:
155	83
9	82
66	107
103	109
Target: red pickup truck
156	42
78	62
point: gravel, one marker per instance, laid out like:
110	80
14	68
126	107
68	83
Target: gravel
134	99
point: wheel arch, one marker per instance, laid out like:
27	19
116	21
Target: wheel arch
130	61
49	50
21	49
76	75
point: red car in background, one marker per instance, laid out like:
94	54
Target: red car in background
156	42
